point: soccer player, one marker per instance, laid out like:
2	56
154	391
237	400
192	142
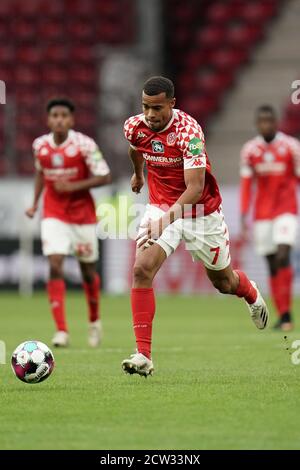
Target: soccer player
68	164
272	160
185	204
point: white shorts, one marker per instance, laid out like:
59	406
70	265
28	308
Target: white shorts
268	234
206	237
61	238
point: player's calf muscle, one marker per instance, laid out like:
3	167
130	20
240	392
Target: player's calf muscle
225	281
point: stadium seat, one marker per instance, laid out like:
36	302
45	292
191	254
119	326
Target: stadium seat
81	30
24	30
7	54
213	83
228	58
54	75
81	53
243	35
52	30
210	37
56	53
30	55
258	12
27	75
220	13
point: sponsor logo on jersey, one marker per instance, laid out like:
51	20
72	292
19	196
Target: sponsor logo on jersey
71	151
171	161
157	146
141	135
196	146
97	156
57	160
171	138
197	162
271	168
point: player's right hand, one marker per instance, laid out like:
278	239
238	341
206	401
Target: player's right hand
137	182
31	212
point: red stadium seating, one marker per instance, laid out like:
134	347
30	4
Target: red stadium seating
212	40
48	48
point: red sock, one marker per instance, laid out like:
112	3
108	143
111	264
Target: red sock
245	288
275	292
285	287
143	310
92	293
56	294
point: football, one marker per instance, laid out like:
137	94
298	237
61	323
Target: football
32	362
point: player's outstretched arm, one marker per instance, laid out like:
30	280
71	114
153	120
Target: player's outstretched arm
38	189
137	179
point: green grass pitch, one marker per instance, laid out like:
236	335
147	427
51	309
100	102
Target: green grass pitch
219	383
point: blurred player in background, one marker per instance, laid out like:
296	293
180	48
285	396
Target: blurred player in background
272	160
68	164
179	175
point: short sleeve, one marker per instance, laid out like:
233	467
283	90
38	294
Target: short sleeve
246	169
192	144
95	160
35	151
129	127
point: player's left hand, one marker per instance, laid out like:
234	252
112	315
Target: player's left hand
152	231
64	186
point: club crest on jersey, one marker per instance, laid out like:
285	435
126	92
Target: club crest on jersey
171	138
157	146
71	151
57	160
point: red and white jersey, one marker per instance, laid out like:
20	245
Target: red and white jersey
75	159
178	147
275	167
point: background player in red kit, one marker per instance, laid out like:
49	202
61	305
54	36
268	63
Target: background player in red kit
179	175
68	164
272	160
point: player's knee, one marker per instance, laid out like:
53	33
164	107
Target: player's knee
56	270
283	260
142	272
223	285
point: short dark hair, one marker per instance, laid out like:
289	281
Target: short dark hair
60	102
156	85
266	108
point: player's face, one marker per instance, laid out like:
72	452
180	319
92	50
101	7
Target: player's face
267	125
157	110
60	120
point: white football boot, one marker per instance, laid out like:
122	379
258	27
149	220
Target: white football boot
95	333
60	339
259	310
138	364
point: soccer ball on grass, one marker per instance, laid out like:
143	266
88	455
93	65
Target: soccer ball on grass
32	362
